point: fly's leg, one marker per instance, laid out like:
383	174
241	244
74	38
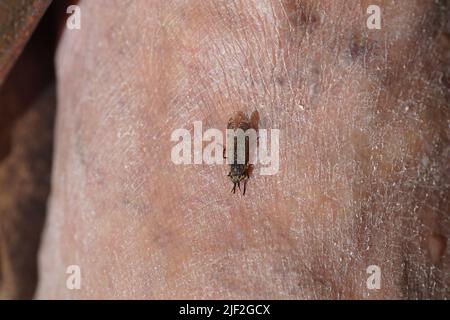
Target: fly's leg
249	171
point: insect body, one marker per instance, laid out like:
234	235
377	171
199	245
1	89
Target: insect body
240	172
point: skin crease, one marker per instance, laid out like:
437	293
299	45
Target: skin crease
364	147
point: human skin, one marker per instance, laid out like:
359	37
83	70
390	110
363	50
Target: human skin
364	149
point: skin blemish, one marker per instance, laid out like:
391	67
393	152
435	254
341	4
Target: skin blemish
444	40
361	47
280	80
299	15
357	47
437	245
445	80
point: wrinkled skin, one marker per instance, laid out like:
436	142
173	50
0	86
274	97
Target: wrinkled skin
364	149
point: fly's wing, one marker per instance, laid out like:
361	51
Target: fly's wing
230	124
254	124
240	121
244	124
237	121
254	120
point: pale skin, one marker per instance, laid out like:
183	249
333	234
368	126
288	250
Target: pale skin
364	149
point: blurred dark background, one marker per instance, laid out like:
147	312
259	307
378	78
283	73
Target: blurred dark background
29	31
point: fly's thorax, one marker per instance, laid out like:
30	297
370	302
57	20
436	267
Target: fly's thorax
237	179
237	169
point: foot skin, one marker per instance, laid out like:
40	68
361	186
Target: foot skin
364	148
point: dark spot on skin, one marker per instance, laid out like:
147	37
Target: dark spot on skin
437	245
300	15
280	80
356	49
445	80
360	46
444	40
